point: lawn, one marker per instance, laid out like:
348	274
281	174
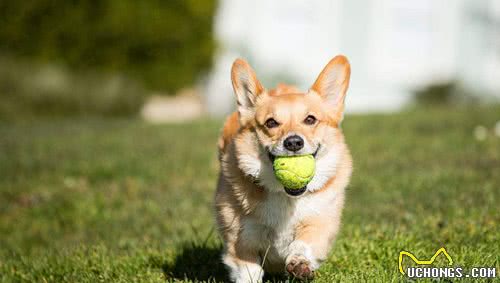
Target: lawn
124	201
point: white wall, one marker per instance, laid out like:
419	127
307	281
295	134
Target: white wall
394	46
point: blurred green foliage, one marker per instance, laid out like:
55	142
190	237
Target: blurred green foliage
166	44
446	93
29	91
436	94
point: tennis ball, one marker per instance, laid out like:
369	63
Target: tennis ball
294	172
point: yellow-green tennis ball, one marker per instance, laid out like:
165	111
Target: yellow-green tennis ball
294	172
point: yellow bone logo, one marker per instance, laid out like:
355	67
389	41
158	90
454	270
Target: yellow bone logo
424	262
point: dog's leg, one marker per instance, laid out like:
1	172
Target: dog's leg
310	247
301	261
246	270
308	250
313	238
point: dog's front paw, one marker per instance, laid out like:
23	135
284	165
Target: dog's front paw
300	268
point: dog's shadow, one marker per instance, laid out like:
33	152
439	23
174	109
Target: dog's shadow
197	263
203	263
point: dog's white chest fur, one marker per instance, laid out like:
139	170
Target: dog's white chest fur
271	228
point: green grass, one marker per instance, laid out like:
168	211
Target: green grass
122	201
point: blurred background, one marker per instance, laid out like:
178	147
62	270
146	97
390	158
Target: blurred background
170	60
110	112
396	47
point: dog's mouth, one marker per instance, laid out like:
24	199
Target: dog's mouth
293	192
272	156
296	193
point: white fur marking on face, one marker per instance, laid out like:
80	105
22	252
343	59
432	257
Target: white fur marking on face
326	166
261	169
256	163
267	178
250	165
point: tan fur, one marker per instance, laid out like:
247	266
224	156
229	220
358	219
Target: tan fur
231	128
255	233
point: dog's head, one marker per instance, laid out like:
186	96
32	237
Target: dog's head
285	121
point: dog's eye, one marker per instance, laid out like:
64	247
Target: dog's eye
271	123
310	120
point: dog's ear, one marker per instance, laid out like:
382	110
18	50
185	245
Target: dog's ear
246	87
332	84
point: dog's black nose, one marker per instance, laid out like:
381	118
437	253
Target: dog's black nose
293	143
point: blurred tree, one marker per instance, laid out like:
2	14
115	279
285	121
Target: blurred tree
166	44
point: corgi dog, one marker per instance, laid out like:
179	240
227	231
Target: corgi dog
264	226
